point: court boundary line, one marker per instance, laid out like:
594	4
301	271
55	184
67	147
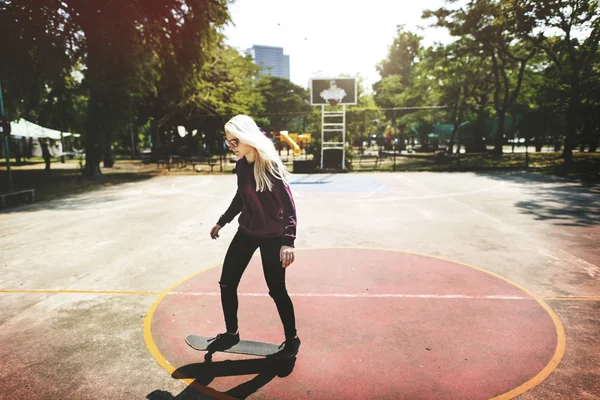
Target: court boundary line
524	387
358	295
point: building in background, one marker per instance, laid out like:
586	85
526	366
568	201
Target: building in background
271	60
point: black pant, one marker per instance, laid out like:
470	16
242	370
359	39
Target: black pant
238	256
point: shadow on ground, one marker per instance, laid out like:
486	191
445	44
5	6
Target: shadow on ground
204	373
562	201
65	185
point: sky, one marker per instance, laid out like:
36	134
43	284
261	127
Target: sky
327	38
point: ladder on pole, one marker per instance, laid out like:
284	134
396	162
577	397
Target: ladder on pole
330	128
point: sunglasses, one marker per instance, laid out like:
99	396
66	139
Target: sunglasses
233	143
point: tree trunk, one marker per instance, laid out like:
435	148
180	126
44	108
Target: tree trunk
455	118
538	144
541	133
92	158
499	140
557	145
93	134
108	161
130	129
587	132
478	145
95	123
424	142
572	113
92	152
594	141
570	136
156	145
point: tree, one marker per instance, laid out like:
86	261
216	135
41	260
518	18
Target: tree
591	103
393	90
364	118
154	48
284	104
489	23
537	21
396	70
541	103
40	51
223	88
458	76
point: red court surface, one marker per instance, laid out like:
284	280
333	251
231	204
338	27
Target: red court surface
373	324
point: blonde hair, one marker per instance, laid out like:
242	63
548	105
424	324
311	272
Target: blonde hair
267	160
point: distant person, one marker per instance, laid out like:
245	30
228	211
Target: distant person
25	148
45	154
267	221
18	151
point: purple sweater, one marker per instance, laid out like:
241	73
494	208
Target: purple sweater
264	214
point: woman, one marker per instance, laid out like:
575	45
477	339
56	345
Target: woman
267	221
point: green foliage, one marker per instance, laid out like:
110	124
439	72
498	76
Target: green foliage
285	104
40	49
497	40
364	118
121	70
397	71
572	48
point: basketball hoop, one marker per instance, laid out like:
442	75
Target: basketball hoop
336	93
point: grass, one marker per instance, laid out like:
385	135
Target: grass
585	166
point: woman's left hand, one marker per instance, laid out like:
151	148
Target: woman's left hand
286	255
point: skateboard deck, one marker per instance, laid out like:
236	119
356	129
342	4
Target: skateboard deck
242	347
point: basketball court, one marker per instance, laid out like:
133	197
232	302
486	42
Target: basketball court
405	285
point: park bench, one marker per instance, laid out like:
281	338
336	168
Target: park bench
367	161
20	195
171	161
211	161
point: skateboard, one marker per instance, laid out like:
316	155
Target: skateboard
242	347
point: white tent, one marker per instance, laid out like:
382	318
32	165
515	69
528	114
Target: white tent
27	129
24	131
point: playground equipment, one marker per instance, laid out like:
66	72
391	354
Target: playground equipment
287	138
304	139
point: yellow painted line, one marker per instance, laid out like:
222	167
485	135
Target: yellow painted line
561	340
573	298
162	361
72	291
561	344
559	352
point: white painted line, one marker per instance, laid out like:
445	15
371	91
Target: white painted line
443	195
368	295
376	190
390	196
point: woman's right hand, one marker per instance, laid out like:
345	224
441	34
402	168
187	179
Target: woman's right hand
214	232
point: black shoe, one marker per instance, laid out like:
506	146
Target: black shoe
290	349
223	341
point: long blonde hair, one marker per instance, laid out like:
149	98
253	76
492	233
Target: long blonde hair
267	159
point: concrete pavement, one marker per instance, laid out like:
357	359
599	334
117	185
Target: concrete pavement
80	275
